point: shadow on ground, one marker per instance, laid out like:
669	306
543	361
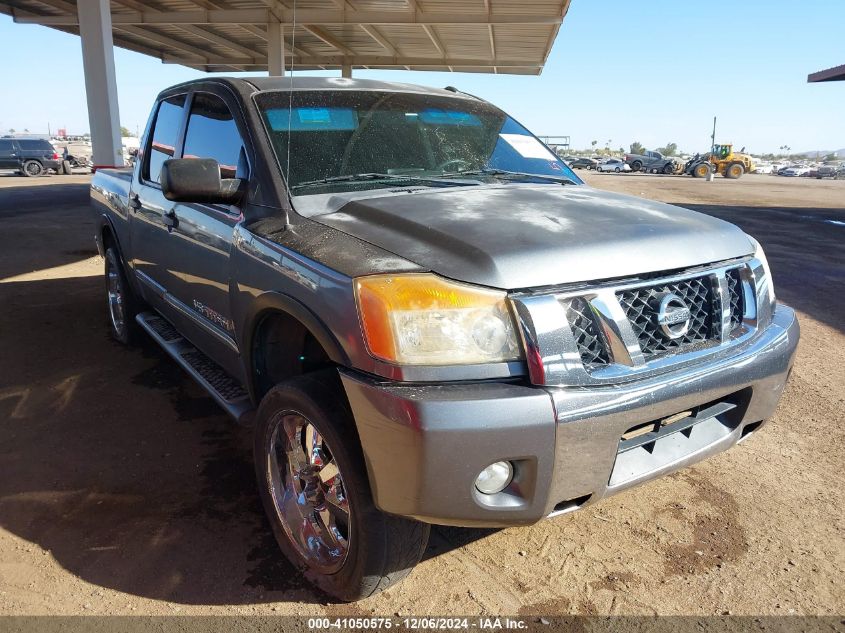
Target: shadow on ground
123	469
805	250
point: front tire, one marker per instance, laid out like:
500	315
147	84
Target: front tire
702	170
316	494
668	169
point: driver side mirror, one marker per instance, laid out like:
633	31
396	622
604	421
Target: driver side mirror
198	180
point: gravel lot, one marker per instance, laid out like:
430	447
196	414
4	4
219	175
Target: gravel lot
124	490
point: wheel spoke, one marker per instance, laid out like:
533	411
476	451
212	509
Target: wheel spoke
293	434
328	528
336	497
314	446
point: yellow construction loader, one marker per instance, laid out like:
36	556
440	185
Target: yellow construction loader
722	160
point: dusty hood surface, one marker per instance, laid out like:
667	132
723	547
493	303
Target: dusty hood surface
522	236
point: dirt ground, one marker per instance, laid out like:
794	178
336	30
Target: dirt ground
125	490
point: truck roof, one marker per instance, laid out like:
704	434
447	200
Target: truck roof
298	83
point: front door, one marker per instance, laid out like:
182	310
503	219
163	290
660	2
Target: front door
151	212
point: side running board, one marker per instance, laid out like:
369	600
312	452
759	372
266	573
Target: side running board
227	391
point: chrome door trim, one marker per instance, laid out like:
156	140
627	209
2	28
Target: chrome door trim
173	302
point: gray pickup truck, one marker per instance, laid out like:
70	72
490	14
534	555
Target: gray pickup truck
652	162
424	315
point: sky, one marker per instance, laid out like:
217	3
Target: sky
652	71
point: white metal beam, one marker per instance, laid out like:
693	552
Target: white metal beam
434	39
214	38
303	16
95	31
370	60
275	50
377	35
167	41
328	38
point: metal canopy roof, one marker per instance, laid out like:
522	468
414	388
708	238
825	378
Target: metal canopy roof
831	74
499	36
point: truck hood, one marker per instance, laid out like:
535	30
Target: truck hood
522	236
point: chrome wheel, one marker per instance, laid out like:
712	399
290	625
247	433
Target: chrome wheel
307	490
116	296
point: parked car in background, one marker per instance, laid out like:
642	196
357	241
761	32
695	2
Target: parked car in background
613	164
795	170
763	168
584	163
828	170
29	156
651	162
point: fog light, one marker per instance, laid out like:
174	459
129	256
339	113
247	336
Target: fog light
494	478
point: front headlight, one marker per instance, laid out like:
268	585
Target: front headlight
423	319
765	286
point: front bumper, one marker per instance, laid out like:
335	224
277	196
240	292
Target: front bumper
424	445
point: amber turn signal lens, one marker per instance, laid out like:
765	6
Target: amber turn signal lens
423	319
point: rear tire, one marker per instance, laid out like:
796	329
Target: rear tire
32	169
668	169
734	171
348	554
618	169
120	300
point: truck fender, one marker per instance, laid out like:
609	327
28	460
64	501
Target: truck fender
272	301
107	223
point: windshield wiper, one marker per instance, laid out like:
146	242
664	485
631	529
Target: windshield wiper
510	175
370	176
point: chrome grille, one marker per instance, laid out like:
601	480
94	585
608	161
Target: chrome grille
640	306
735	294
592	349
608	333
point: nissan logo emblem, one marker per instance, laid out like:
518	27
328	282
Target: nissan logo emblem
673	316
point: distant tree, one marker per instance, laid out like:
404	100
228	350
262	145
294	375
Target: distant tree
830	157
26	130
621	150
671	149
124	131
594	143
11	130
637	148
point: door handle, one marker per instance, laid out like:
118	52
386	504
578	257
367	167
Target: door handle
135	202
170	220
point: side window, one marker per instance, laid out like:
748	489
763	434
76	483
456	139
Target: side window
6	146
213	133
165	133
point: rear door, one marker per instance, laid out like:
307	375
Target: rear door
8	154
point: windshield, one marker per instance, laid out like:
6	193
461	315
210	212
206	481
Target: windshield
356	140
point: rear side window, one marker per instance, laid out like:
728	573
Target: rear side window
213	133
165	134
35	144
